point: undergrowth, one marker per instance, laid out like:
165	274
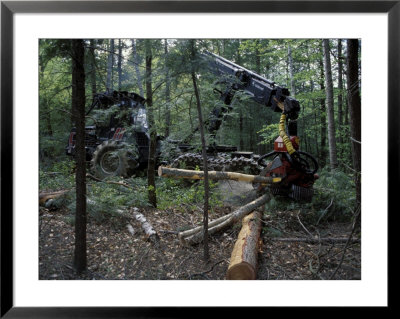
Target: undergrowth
334	195
106	201
334	199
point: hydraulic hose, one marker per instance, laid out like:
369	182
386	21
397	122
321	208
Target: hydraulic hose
285	138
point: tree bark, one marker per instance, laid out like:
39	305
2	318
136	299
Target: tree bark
119	65
136	62
354	100
110	66
215	175
329	100
340	88
322	117
93	66
194	236
243	265
204	152
290	60
78	105
151	234
44	197
167	93
151	181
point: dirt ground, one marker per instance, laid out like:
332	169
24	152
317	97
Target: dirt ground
114	253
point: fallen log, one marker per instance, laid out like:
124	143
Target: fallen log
151	234
44	197
215	175
243	264
330	240
195	235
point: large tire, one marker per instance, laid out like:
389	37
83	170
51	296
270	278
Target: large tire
110	159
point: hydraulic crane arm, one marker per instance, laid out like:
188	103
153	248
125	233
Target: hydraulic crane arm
260	89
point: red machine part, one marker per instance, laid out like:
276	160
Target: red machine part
279	146
281	167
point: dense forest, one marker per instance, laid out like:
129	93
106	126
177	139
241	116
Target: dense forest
129	225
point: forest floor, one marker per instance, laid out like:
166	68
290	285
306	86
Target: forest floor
114	253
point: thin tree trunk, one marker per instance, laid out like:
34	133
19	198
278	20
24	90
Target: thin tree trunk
205	164
78	104
241	141
119	65
292	85
340	88
93	66
110	65
167	93
136	62
329	99
323	117
354	100
151	181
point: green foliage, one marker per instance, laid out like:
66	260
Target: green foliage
179	194
57	176
269	133
334	197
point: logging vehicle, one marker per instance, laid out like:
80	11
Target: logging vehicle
296	169
120	145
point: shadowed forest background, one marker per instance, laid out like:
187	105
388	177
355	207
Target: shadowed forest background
88	228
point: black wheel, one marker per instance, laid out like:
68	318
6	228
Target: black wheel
111	159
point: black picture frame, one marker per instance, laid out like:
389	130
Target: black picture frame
9	8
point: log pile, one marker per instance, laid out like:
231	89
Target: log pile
195	235
243	265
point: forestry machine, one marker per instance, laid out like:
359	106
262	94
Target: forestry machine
118	143
297	169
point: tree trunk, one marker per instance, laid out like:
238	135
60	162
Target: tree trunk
322	118
340	94
194	235
243	265
329	99
136	62
78	102
354	100
93	67
45	196
151	234
110	66
204	152
215	175
151	180
241	141
119	65
290	59
167	93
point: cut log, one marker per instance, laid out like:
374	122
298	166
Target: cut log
44	197
243	264
215	175
151	234
195	235
329	240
